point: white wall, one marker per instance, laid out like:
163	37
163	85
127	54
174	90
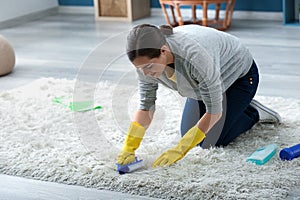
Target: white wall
10	9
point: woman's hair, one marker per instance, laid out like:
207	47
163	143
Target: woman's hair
146	40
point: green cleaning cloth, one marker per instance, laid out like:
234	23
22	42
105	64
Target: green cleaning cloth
77	106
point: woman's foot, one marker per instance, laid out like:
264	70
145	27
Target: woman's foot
266	115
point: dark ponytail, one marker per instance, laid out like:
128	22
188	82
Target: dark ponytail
146	40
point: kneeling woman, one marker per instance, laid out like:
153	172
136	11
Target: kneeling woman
211	68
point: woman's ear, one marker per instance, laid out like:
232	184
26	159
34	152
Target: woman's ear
164	49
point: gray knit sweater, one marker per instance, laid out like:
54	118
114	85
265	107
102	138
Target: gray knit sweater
207	62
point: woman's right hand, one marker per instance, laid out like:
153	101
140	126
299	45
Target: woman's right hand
135	134
125	158
133	140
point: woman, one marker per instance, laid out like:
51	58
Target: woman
211	68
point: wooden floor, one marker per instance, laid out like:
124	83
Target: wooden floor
16	188
58	45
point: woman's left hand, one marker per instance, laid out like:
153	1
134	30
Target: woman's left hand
167	158
193	137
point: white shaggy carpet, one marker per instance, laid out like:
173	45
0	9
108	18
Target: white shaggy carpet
46	141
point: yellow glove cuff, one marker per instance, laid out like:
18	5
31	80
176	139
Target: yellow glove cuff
136	130
134	137
193	137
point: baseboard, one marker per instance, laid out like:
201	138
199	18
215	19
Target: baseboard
28	18
76	9
249	15
254	15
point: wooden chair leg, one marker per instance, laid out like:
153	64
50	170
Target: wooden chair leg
194	15
232	4
226	18
217	14
180	20
163	6
173	14
204	17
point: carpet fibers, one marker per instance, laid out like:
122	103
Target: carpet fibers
44	140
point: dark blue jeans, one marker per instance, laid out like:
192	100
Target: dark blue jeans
237	117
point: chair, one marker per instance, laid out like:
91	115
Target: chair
221	24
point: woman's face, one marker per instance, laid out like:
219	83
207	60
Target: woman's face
151	67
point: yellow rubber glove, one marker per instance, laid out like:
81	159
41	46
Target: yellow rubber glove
193	137
132	141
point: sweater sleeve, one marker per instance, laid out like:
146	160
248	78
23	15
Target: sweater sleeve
205	70
147	91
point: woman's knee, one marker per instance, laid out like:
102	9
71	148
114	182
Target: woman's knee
192	112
